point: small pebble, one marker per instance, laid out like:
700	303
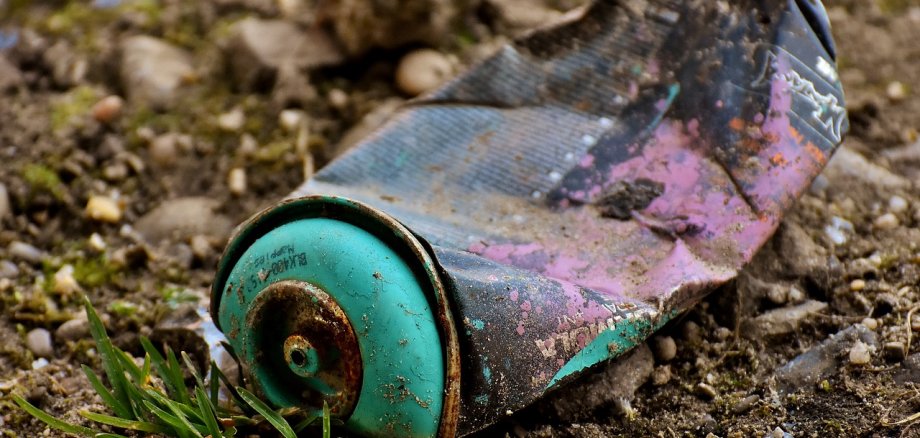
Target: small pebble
422	70
896	91
291	119
96	243
915	323
4	203
164	149
777	294
115	172
897	204
706	391
232	121
745	404
857	285
661	375
886	221
692	332
796	295
108	109
338	99
24	251
73	330
895	350
875	259
236	181
664	348
778	432
103	209
38	341
8	269
38	364
859	353
201	247
723	333
64	281
248	146
870	323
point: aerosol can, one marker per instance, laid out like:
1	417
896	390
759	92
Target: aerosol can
540	214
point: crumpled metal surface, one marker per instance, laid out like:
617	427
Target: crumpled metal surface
592	180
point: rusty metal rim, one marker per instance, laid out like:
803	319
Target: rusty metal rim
384	227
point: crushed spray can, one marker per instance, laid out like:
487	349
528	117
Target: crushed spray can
544	212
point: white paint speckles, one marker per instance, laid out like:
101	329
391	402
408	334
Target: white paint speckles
555	176
536	194
605	122
588	140
569	157
827	70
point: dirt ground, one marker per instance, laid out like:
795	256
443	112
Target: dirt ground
130	199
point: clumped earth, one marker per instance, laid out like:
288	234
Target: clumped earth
136	134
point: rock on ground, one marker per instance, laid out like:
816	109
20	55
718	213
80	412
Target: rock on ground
153	71
822	361
619	381
259	48
782	321
365	24
183	218
10	77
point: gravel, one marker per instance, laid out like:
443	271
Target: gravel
421	71
154	72
38	341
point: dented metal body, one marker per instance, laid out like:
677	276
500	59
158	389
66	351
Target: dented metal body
592	180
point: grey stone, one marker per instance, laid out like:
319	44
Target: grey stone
664	348
799	252
67	67
38	341
745	404
8	269
822	360
259	48
848	164
5	208
10	76
781	321
618	381
182	218
154	71
24	251
73	330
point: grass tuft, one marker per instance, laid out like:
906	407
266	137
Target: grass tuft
139	404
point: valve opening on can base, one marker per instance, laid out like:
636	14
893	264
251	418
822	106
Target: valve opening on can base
307	352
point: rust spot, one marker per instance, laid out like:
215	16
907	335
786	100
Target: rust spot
736	124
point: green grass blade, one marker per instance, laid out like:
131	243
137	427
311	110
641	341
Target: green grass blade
229	432
327	428
192	369
181	411
110	362
208	413
140	426
107	397
51	421
179	429
109	435
276	420
234	394
127	363
214	384
145	373
159	364
177	377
